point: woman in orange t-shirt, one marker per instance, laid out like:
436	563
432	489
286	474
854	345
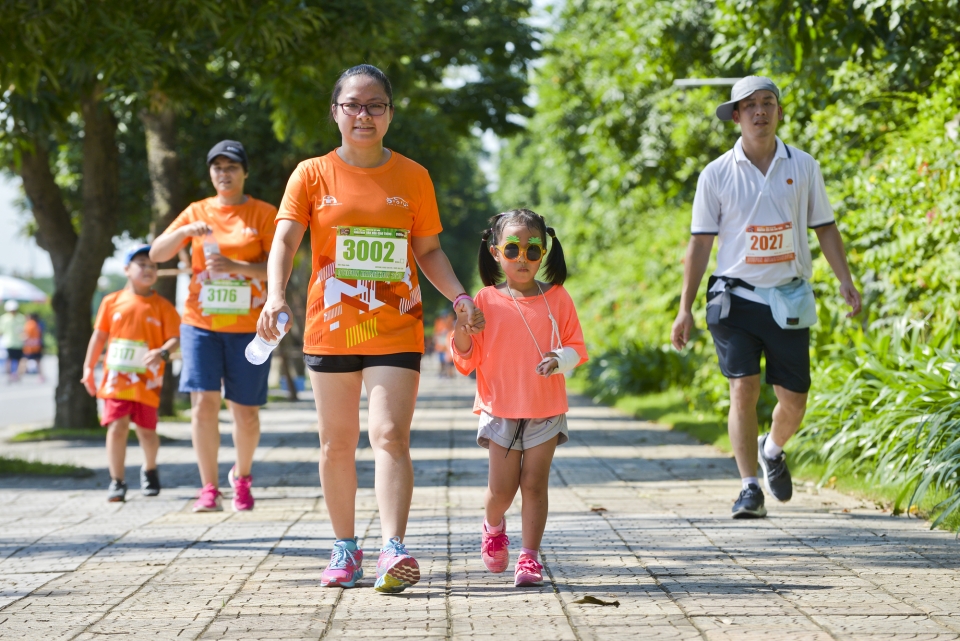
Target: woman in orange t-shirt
230	234
371	214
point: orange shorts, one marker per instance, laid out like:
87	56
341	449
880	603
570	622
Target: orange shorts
142	415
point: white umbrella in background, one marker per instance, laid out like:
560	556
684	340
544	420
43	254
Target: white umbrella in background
16	289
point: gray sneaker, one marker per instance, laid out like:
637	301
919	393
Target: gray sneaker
149	482
776	476
749	504
117	492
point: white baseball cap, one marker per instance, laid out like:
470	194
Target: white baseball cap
11	306
744	88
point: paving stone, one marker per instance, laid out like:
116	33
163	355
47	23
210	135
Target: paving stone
638	515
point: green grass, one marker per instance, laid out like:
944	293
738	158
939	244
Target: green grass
19	466
671	409
72	434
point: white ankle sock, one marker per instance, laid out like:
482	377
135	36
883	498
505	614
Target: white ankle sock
770	449
750	480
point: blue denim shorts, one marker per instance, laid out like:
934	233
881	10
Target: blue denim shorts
214	360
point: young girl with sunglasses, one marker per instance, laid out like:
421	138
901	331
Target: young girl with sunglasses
532	336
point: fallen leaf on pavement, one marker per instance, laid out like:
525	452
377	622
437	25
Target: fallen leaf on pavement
598	509
592	600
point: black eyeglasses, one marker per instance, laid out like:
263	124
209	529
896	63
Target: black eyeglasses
374	108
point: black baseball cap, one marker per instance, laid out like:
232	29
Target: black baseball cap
231	149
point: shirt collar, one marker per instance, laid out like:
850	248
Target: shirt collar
739	156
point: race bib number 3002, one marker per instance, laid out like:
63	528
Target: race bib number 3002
126	356
770	244
225	297
371	253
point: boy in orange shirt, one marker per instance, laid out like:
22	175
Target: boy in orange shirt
142	328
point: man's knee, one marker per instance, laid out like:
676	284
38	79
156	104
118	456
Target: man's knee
745	391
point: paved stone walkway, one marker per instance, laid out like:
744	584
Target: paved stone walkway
638	515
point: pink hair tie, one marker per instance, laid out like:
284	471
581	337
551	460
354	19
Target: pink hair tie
460	298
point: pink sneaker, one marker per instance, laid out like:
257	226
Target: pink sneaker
396	569
209	500
344	567
529	572
242	498
494	548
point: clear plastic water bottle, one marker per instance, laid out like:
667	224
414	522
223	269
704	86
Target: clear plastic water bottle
258	350
210	246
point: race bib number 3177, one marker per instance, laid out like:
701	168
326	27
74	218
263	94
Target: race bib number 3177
371	253
770	244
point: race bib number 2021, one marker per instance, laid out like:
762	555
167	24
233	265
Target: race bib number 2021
770	244
371	253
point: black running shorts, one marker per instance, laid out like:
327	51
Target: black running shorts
343	364
750	331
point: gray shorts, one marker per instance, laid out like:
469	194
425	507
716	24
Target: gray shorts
535	431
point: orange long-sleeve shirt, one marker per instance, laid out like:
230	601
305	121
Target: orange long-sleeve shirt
506	357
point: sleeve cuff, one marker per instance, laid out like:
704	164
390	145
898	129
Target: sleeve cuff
704	233
826	224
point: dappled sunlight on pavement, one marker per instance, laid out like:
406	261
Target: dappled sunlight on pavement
638	515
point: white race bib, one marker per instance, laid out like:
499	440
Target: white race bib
371	253
770	244
225	297
126	356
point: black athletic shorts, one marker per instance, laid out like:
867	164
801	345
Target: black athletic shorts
343	364
750	331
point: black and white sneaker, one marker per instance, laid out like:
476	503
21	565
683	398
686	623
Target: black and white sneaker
117	492
776	476
749	504
149	482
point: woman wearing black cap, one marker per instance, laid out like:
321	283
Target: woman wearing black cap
230	235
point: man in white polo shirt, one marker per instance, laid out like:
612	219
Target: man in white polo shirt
759	199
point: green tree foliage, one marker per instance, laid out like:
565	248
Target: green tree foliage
871	89
92	89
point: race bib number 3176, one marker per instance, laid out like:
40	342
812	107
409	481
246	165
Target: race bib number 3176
770	244
225	297
371	253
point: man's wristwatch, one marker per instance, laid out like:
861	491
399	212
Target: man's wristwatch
165	355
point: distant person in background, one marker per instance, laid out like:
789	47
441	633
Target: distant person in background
442	327
11	334
33	343
230	235
140	328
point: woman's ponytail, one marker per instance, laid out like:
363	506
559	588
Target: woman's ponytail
489	268
556	267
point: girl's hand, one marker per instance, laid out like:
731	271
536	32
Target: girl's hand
267	323
472	317
547	365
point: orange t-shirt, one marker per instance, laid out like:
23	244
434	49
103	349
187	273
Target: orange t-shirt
148	320
350	316
506	356
243	232
32	337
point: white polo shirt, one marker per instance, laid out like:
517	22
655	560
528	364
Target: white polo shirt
739	205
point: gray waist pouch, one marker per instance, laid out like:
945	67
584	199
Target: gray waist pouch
793	305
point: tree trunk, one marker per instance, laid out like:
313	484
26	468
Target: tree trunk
163	165
77	258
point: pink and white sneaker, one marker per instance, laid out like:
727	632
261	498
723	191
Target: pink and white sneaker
495	548
344	567
396	569
209	499
528	573
242	498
